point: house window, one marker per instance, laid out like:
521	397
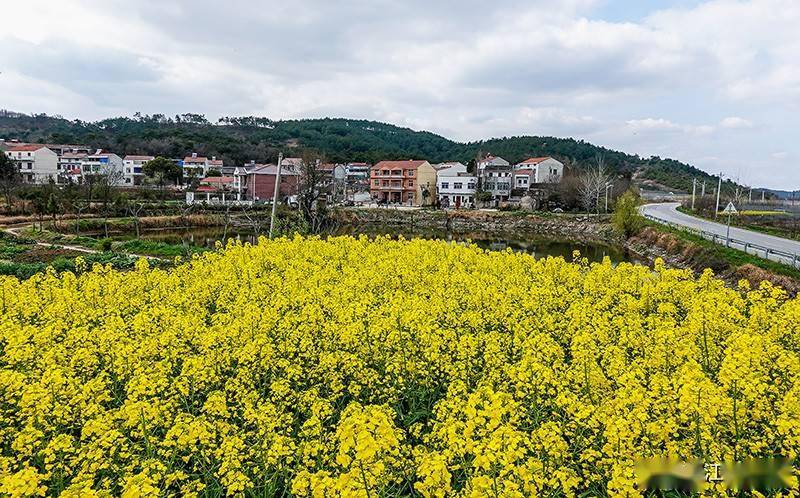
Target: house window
458	186
385	172
410	183
445	185
470	185
490	186
409	172
376	183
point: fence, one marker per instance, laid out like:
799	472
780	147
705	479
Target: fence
768	253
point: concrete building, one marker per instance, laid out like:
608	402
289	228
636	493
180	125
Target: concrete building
36	162
133	169
455	187
403	182
491	161
539	170
104	163
357	173
69	166
260	182
195	166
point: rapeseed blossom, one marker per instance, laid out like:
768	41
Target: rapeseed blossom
356	367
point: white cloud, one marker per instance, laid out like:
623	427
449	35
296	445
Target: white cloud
736	122
660	125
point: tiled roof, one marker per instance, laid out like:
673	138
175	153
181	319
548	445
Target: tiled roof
139	158
535	160
26	148
217	179
410	164
272	169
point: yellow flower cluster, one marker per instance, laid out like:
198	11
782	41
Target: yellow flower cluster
368	368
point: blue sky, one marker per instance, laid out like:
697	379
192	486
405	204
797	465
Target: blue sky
712	83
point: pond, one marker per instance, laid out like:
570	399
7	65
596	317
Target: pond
540	246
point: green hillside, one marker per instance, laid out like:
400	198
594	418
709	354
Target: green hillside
240	139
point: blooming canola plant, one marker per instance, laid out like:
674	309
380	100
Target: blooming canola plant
358	367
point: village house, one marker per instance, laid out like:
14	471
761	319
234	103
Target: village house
455	187
260	182
537	170
103	163
195	166
357	174
36	162
495	176
69	166
133	168
403	182
333	181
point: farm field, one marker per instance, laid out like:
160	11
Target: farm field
359	367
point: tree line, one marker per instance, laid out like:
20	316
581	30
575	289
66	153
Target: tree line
237	140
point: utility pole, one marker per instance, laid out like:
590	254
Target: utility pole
694	191
750	196
276	194
719	190
703	190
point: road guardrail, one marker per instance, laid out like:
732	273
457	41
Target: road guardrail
786	258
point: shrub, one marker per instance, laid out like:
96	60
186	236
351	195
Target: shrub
626	218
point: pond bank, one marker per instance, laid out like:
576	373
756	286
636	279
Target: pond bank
574	227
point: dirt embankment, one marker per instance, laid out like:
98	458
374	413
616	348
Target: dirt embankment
651	243
571	226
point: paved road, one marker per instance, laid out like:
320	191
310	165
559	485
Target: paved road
669	212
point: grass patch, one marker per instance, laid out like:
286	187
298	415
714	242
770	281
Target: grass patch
153	248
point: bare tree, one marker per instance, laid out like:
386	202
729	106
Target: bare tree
255	222
107	183
312	185
592	186
79	207
226	218
134	209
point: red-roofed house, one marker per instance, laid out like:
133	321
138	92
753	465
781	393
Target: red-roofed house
36	163
538	170
403	182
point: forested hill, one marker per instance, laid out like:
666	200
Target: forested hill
241	139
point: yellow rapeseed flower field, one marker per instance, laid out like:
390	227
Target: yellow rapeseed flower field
371	368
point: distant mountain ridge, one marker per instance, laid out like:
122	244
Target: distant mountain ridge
240	139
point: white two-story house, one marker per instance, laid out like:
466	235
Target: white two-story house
538	170
455	187
36	162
